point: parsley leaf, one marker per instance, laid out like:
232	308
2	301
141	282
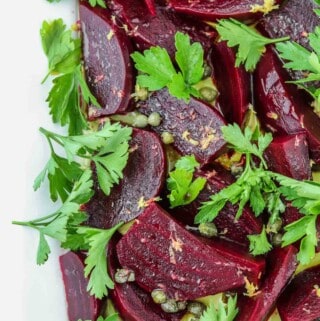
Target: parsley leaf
250	43
259	243
64	64
183	189
108	148
100	3
113	317
158	70
224	312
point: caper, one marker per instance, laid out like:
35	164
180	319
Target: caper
170	306
141	93
207	71
158	296
276	239
208	229
124	275
154	119
208	94
140	121
276	226
196	308
182	305
167	138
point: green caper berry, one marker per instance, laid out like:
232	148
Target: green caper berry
124	275
154	119
276	226
158	296
208	229
207	71
276	239
170	306
208	94
140	121
167	138
141	93
182	305
196	308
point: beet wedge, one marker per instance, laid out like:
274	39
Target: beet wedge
106	54
289	155
212	10
165	255
301	299
281	264
236	231
133	303
233	83
282	107
158	30
196	126
143	178
81	305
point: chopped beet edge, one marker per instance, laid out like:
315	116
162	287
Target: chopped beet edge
81	305
196	126
236	231
143	178
281	264
106	54
282	107
233	83
151	6
159	30
289	155
165	255
301	299
216	9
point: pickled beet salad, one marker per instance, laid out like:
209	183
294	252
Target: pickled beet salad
188	176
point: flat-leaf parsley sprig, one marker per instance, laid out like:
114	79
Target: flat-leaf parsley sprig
157	69
107	148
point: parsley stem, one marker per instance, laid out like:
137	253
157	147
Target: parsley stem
50	135
279	39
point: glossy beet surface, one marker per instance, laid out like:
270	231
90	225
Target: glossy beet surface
142	180
165	255
133	303
282	107
233	83
148	30
236	231
289	155
281	264
106	54
196	127
80	304
301	299
216	9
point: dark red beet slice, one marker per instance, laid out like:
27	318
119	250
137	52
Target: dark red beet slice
216	9
106	53
158	30
142	180
289	155
281	264
151	6
282	107
233	83
301	299
133	303
81	305
165	255
196	126
236	231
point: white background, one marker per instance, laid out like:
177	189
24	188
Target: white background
28	292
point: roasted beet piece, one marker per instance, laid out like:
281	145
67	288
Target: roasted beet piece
289	155
165	255
301	299
151	6
106	54
133	303
216	9
196	126
158	30
282	107
236	231
281	264
233	83
81	305
143	178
